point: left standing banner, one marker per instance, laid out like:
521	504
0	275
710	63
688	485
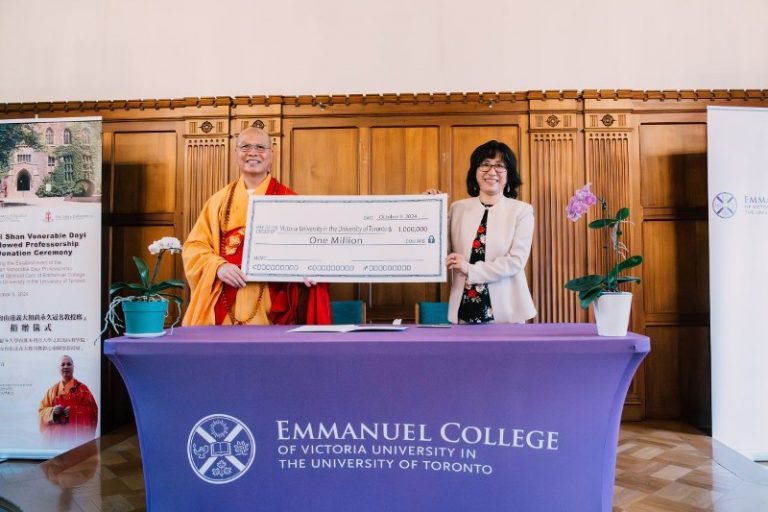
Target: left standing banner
50	284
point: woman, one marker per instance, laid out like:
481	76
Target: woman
491	234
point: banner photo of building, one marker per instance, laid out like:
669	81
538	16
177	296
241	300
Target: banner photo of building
738	244
50	285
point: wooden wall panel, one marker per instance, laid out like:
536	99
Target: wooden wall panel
325	161
560	251
679	368
144	179
673	192
674	162
676	268
403	161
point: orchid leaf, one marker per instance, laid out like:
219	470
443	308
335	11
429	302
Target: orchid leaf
143	270
602	223
164	285
584	283
630	262
175	298
116	287
587	293
589	298
622	214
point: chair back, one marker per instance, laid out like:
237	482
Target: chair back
432	313
348	311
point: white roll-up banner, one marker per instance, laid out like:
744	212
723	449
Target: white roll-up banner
737	140
50	280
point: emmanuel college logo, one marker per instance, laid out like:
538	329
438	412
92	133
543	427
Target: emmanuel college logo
220	448
724	205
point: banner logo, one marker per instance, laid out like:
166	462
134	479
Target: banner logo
220	448
724	205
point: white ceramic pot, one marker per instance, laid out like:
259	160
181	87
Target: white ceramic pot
612	313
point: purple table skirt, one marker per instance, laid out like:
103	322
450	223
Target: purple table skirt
492	417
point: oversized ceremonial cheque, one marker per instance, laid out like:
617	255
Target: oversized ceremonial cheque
346	238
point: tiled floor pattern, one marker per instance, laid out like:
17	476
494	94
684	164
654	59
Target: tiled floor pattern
660	467
668	467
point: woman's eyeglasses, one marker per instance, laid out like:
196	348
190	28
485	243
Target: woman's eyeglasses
486	167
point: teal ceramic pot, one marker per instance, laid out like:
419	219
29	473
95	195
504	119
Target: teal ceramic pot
144	318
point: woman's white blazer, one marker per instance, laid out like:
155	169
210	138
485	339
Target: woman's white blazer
507	245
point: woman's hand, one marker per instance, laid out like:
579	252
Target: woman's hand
231	274
458	262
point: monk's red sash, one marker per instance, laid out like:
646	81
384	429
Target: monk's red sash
283	296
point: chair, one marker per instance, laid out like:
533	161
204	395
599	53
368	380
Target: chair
431	313
348	312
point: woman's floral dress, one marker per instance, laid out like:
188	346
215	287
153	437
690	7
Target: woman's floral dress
475	307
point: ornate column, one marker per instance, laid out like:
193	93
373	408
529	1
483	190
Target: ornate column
607	145
206	159
559	251
611	167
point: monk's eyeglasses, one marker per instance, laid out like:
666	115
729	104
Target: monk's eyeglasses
259	148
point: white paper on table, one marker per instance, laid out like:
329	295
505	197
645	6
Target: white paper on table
348	328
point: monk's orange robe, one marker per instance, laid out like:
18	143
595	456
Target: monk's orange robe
214	241
80	426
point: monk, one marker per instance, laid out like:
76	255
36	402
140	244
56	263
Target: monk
68	412
213	253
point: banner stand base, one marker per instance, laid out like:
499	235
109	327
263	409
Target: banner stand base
739	464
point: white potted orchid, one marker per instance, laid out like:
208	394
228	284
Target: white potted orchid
610	305
146	308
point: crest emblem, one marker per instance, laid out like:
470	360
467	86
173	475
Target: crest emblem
724	205
220	448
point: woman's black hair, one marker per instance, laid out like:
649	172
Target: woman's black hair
489	150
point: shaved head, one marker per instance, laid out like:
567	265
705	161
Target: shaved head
252	131
254	156
67	368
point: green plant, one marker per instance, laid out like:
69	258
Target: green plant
591	286
147	289
13	135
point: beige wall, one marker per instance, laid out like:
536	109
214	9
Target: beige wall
111	49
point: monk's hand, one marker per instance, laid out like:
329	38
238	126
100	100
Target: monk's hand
66	412
458	262
57	410
309	283
432	191
232	275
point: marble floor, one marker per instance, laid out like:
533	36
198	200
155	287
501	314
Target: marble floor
661	466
